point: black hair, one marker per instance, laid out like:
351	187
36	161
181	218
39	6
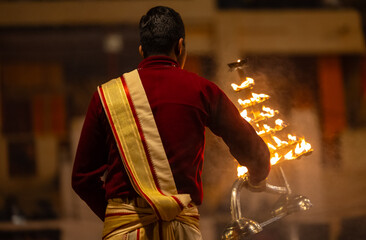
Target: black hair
160	30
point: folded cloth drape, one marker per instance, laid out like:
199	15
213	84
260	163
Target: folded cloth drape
136	220
141	149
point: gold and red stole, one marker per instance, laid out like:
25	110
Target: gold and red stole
140	146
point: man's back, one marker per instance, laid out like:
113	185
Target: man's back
183	104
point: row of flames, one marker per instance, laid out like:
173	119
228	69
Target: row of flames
281	150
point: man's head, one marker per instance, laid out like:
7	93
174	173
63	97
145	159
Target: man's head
162	33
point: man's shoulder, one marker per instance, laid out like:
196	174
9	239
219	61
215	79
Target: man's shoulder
196	77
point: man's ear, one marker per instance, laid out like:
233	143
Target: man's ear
181	45
179	48
140	51
181	52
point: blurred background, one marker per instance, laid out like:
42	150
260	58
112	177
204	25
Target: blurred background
308	55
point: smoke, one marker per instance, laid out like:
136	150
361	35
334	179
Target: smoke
335	188
290	83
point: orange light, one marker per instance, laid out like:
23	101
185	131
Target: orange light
270	146
279	142
242	170
244	114
279	122
292	138
275	158
249	82
268	112
293	147
256	98
302	147
290	155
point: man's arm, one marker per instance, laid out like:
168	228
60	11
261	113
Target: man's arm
91	160
245	145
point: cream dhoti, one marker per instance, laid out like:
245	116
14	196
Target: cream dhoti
136	220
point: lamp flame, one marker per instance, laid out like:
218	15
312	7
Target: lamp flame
271	147
279	122
280	150
242	170
293	138
290	155
248	83
244	114
279	142
302	147
275	158
256	98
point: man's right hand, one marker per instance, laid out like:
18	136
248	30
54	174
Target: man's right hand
256	186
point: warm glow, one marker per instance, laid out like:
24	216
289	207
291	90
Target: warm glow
270	146
244	114
289	155
268	128
248	83
294	147
268	112
290	137
302	147
256	98
244	102
242	170
275	159
261	132
279	122
260	96
265	130
298	149
279	142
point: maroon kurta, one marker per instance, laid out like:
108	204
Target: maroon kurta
183	104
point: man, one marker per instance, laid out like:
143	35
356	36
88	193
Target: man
145	133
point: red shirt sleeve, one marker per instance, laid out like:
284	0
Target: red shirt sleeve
244	143
91	160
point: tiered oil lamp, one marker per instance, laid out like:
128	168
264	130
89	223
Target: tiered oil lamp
263	120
